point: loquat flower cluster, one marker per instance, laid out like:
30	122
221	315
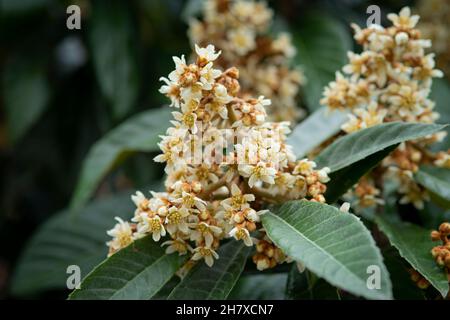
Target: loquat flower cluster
390	80
240	29
217	187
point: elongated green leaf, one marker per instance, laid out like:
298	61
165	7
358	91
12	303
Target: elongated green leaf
414	244
138	134
205	283
26	96
314	130
345	178
322	43
436	180
334	245
137	272
361	144
111	38
266	286
67	240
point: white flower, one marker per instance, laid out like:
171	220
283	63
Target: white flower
177	245
345	207
176	220
241	234
139	199
404	19
206	232
221	95
304	167
322	175
171	90
205	253
188	120
401	38
257	174
180	68
242	40
122	235
284	45
238	200
150	224
208	76
189	201
207	53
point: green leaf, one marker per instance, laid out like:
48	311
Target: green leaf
111	38
334	245
205	283
361	144
137	272
343	179
264	286
436	180
138	134
67	240
307	286
26	96
414	244
316	129
322	43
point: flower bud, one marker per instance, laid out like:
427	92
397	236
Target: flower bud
444	229
435	235
423	283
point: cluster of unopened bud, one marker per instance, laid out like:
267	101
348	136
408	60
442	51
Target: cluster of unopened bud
267	255
418	279
366	193
441	253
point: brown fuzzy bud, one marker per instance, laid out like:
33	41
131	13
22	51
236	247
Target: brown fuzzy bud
319	198
435	235
435	252
444	229
270	252
415	276
423	283
251	226
260	246
312	178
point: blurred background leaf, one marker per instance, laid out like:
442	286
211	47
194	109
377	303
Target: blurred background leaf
26	95
66	240
322	43
139	133
112	40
